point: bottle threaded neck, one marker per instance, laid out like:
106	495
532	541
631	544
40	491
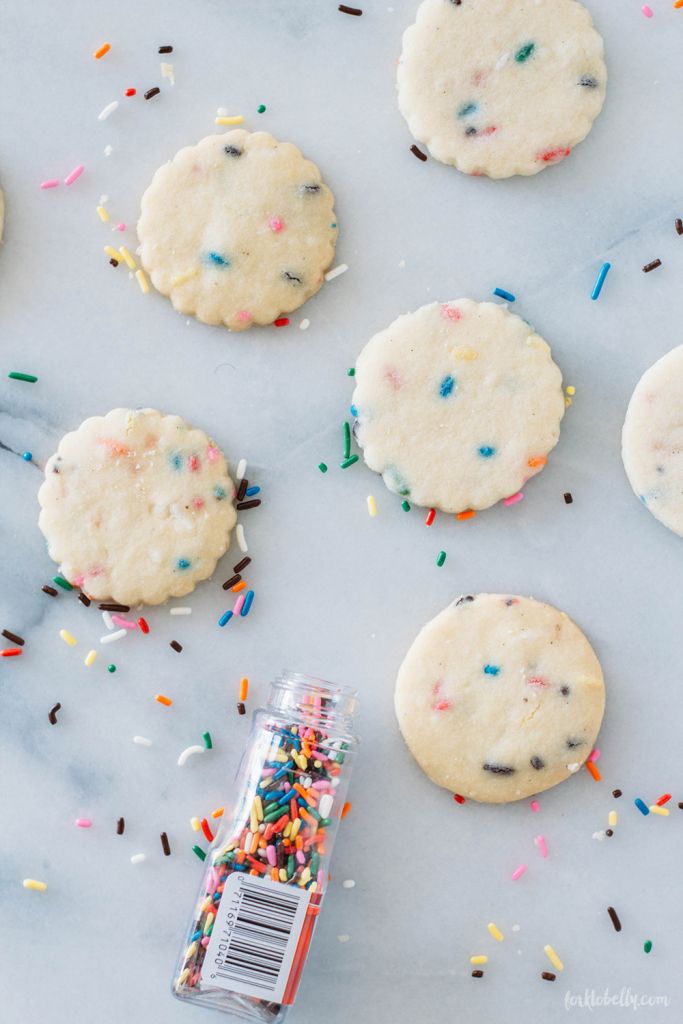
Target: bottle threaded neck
313	702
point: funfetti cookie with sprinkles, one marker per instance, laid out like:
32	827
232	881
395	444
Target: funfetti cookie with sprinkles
500	697
652	440
136	506
457	404
237	229
501	87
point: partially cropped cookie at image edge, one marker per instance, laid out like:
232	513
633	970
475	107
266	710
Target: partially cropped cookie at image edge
457	404
500	697
238	229
136	506
501	87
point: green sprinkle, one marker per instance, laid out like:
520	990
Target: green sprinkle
440	558
61	582
261	109
525	52
111	668
347	439
333	224
648	946
351	372
405	506
349	461
208	742
200	853
322	466
28	377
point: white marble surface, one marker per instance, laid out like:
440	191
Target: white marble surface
337	594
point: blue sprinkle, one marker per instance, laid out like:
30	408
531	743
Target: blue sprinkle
197	935
248	601
225	618
176	460
446	386
502	294
217	260
282	771
27	456
183	563
486	451
642	806
251	491
468	108
600	280
354	411
492	670
219	492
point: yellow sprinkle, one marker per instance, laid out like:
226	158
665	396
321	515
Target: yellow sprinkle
130	262
103	215
571	390
568	402
112	253
67	637
481	959
191	950
182	278
372	506
655	809
206	905
313	886
31	883
90	658
196	824
305	876
287	830
283	875
183	977
496	932
142	281
295	828
465	352
238	119
208	922
218	812
553	957
258	807
253	822
612	818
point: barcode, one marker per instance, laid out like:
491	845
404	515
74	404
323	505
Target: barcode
255	936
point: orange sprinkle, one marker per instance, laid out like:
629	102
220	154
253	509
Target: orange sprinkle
467	514
307	794
244	688
274	874
345	809
102	50
166	701
538	460
308	817
238	586
591	766
679	3
240	856
254	842
218	813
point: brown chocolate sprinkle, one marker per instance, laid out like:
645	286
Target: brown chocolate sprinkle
176	646
355	11
114	262
19	641
52	713
242	489
548	976
418	153
165	845
120	826
678	224
609	833
112	606
242	505
49	590
152	92
651	266
477	974
242	710
84	599
568	499
616	793
165	49
680	805
614	918
241	565
232	581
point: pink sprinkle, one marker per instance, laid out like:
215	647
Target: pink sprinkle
443	705
536	681
198	503
392	376
50	183
514	498
212	881
300	857
212	453
83	822
450	312
76	173
647	11
238	604
271	855
535	806
123	622
518	872
594	754
276	224
320	878
79	580
121	226
193	463
205	941
542	846
243	315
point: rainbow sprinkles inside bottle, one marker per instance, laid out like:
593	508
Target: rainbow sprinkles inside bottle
262	892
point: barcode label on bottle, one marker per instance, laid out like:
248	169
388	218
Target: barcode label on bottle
255	936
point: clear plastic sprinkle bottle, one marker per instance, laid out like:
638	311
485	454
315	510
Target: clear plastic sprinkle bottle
250	932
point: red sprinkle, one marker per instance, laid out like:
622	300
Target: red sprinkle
206	830
281	321
430	517
664	799
142	623
553	156
458	799
11	652
131	92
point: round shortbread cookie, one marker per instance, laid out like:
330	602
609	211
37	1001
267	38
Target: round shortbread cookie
500	697
136	506
457	404
498	87
237	229
652	440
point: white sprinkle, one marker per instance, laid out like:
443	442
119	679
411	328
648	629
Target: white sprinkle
222	112
181	611
108	621
343	938
109	109
104	199
336	271
401	264
137	858
325	805
241	539
110	637
142	741
599	836
573	767
241	469
502	61
188	752
108	150
167	72
349	883
305	324
516	927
